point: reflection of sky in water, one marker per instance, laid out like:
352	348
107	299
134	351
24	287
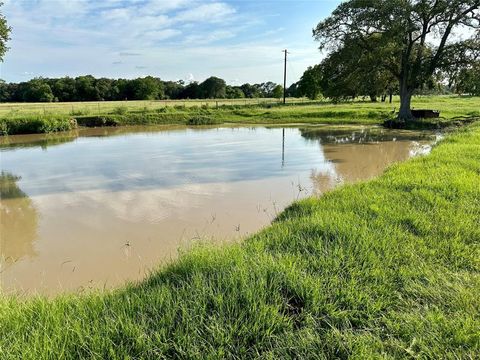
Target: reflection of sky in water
158	189
173	158
161	159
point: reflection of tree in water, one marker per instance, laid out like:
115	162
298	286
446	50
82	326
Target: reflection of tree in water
37	140
18	220
362	136
48	140
358	154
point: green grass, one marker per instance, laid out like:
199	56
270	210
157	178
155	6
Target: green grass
103	107
388	268
33	124
26	119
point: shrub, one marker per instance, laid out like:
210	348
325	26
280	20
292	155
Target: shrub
202	120
120	110
35	125
79	112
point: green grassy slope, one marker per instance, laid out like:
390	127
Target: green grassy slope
388	268
310	112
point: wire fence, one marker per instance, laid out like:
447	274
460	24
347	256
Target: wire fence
103	107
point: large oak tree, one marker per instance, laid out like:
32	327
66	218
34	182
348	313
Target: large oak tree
352	71
412	39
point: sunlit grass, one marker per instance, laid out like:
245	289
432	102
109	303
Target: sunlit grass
388	268
103	107
55	117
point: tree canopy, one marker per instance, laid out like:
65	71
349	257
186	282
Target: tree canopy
309	83
352	71
89	88
468	80
213	88
411	39
4	35
277	91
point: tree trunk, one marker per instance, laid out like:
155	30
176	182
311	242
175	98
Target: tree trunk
391	97
405	113
373	98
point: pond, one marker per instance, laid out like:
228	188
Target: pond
98	207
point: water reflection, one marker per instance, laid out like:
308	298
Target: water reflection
148	160
362	153
37	140
18	221
44	141
369	135
110	204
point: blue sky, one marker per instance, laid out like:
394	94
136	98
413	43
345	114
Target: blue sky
240	41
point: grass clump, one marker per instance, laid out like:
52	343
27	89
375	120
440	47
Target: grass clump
120	110
79	112
36	124
202	120
382	269
139	118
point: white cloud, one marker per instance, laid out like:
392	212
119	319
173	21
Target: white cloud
189	78
162	6
117	14
62	8
161	34
126	53
208	12
209	37
170	38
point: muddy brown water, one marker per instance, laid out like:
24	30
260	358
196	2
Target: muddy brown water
100	207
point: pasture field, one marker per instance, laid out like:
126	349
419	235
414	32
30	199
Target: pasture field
39	118
387	268
106	107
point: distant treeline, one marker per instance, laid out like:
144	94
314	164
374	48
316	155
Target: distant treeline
322	80
89	88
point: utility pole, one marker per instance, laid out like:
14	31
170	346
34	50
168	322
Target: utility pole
285	76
